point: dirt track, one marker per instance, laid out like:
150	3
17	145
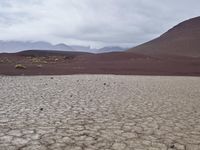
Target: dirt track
83	112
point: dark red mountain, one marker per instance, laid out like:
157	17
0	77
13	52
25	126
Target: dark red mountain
181	40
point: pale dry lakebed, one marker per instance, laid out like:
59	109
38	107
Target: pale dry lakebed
99	112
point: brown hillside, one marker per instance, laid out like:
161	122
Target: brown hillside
181	40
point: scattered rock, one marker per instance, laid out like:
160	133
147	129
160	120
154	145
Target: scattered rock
172	146
20	66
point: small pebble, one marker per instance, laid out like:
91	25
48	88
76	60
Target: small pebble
172	146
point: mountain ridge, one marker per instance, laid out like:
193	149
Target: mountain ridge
17	46
181	40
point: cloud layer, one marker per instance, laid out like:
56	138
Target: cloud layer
92	22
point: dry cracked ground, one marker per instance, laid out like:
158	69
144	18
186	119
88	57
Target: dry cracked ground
99	112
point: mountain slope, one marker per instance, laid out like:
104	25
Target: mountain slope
181	40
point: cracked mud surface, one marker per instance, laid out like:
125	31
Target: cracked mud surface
99	112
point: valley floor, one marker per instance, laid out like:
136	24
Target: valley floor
99	112
117	63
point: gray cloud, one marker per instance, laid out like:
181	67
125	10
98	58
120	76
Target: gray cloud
92	22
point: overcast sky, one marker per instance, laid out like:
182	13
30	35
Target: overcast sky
92	22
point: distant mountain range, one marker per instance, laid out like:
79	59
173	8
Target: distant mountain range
182	40
15	46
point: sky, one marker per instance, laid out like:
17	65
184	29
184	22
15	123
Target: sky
96	23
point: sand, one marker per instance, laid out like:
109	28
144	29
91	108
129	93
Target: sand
99	112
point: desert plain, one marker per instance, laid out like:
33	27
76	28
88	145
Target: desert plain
99	112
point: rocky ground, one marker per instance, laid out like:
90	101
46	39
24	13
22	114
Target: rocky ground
99	112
